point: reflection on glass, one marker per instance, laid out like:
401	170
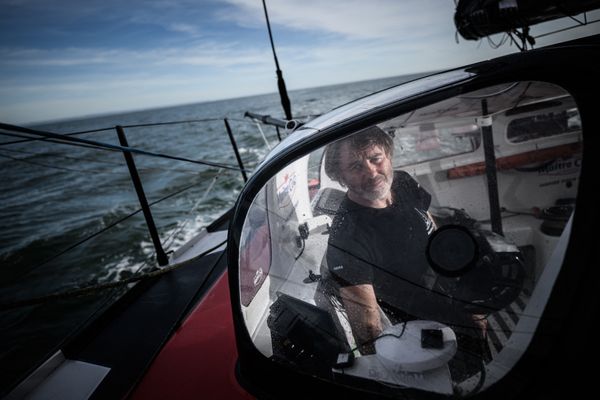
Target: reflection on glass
255	260
383	255
543	125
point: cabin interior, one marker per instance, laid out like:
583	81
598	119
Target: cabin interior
534	131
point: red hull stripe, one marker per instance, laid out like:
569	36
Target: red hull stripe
198	362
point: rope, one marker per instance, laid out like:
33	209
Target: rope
206	192
103	286
263	135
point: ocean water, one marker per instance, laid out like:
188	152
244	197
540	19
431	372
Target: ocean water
53	196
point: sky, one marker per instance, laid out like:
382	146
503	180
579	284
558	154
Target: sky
69	58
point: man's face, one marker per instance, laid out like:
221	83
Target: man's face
367	173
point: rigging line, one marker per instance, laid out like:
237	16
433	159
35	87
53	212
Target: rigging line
251	121
240	120
578	21
52	154
263	135
494	94
47	165
124	126
172	122
565	29
106	146
514	41
110	226
495	45
109	285
187	171
522	96
200	200
30	139
88	160
47	140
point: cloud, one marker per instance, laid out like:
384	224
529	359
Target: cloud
352	19
189	29
211	54
100	93
23	57
166	52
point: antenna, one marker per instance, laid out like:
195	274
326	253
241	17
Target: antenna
285	100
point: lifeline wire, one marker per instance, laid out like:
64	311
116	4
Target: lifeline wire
124	126
88	160
110	226
106	146
200	200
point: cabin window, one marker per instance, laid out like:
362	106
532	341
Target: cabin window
397	221
543	125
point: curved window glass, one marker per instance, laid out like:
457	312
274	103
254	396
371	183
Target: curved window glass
544	124
416	253
434	141
255	261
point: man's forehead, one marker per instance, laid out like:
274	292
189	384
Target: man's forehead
350	154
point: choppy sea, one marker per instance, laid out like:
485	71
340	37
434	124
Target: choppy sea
53	196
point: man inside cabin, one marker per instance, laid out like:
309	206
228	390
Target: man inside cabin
376	256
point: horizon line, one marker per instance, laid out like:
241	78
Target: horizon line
32	124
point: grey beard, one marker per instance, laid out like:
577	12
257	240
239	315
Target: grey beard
378	194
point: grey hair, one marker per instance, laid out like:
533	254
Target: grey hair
358	141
